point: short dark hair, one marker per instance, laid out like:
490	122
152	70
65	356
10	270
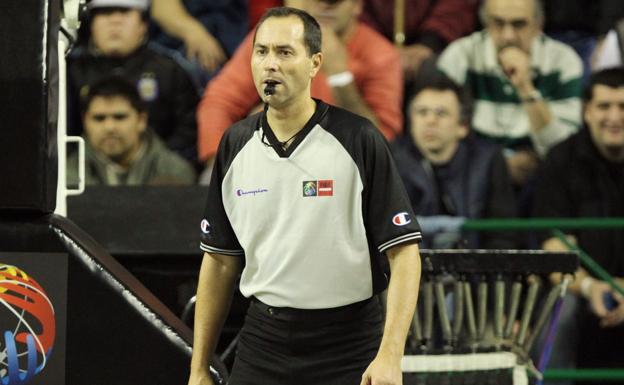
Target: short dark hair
440	82
113	86
312	38
610	77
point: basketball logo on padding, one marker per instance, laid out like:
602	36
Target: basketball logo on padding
27	325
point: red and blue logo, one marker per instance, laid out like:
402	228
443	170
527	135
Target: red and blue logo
401	219
27	325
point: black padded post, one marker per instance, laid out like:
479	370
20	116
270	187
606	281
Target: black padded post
28	104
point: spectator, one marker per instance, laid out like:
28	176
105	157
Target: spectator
581	24
526	85
429	26
610	49
448	172
118	45
208	30
584	177
361	73
257	8
120	149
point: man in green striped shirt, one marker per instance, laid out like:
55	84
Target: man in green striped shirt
526	86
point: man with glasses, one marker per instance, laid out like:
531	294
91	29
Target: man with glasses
526	86
449	172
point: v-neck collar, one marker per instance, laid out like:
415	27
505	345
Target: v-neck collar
319	111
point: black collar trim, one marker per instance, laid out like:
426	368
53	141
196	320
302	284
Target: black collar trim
319	112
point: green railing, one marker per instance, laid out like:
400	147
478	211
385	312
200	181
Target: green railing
556	225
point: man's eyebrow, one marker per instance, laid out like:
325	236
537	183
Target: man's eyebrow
511	20
278	46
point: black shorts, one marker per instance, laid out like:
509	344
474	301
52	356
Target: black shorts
283	346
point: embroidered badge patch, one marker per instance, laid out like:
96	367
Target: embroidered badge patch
326	188
309	188
320	188
401	219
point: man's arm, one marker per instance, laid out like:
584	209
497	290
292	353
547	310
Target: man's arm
217	278
592	289
200	44
551	120
346	93
402	296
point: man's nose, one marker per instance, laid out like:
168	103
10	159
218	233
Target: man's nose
109	124
508	33
270	62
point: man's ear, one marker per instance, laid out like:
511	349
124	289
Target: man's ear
316	63
463	131
142	122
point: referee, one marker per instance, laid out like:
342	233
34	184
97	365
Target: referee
305	197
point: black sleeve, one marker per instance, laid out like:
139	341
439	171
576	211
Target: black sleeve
388	215
552	198
217	235
501	203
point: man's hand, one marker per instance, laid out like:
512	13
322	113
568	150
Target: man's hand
334	52
200	377
615	316
412	57
595	296
516	65
202	47
595	293
384	370
521	166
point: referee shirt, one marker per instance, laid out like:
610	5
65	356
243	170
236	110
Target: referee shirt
310	221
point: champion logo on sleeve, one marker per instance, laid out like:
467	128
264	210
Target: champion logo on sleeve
401	219
205	226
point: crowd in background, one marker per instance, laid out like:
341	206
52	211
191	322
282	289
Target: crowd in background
493	109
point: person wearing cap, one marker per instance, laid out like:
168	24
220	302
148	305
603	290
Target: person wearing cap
118	45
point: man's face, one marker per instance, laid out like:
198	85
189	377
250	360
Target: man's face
114	128
117	31
279	55
436	124
604	115
512	23
337	15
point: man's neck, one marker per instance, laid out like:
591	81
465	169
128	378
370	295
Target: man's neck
288	120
